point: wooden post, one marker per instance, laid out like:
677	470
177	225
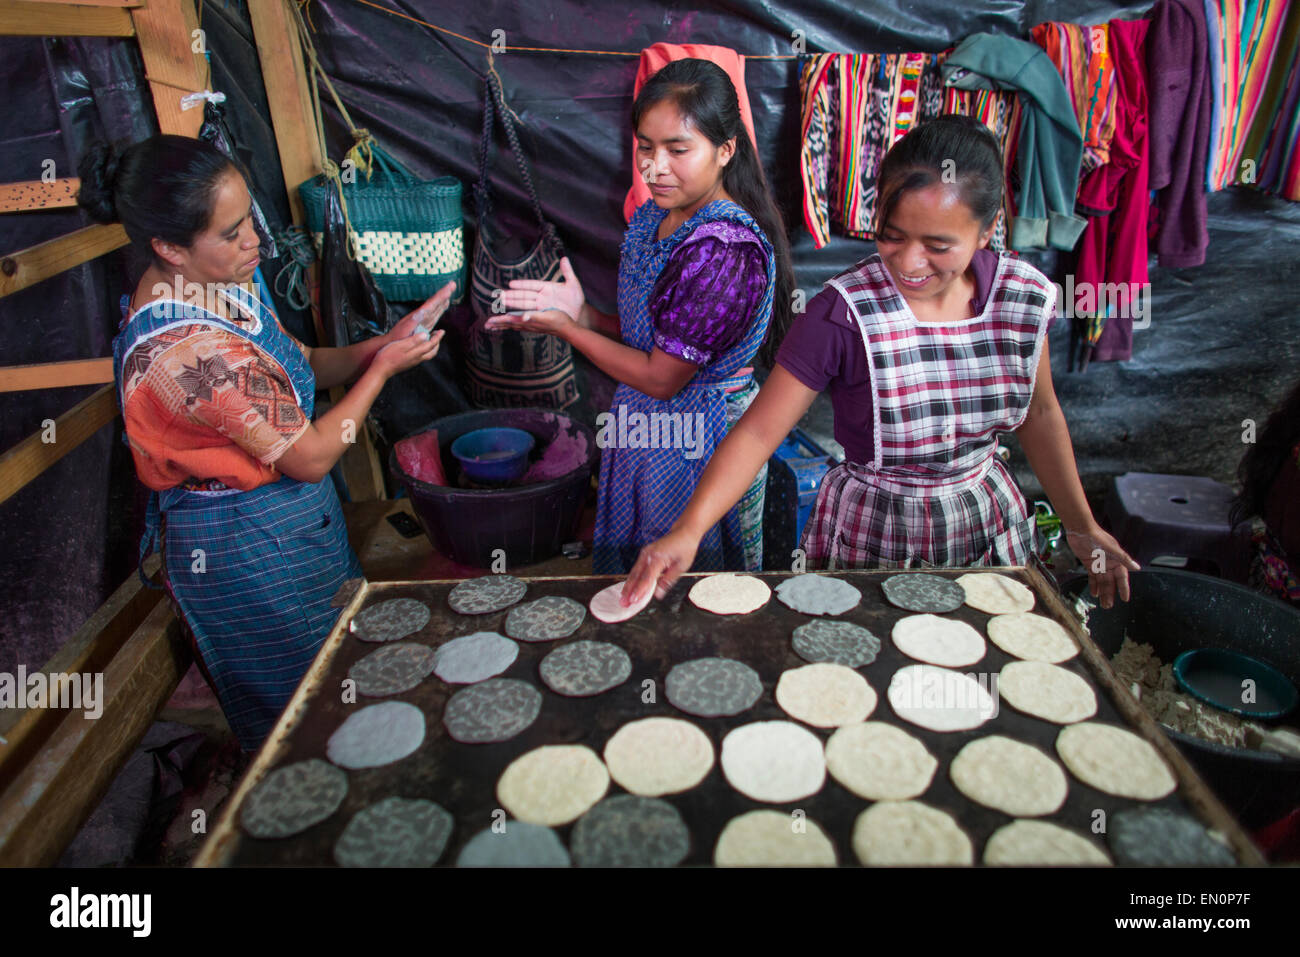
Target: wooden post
172	49
289	94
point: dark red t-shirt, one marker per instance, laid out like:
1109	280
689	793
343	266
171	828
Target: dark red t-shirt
824	348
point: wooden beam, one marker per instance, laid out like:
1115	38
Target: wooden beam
35	194
29	266
90	649
53	794
56	375
30	457
173	67
24	18
289	94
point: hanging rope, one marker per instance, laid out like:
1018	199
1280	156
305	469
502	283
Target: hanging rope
299	254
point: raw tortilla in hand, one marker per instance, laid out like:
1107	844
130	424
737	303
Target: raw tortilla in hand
607	606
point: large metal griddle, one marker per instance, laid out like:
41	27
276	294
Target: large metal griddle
462	778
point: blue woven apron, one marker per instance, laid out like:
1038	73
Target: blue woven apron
251	573
642	491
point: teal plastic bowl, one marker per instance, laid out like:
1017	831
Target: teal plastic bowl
1219	678
494	454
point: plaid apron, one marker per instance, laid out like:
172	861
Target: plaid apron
252	573
643	490
935	492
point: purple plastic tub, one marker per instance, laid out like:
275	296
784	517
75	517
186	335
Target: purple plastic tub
530	519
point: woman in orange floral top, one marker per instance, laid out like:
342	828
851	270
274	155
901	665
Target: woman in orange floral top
218	402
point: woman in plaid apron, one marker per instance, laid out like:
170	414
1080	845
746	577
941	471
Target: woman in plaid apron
929	347
703	277
218	401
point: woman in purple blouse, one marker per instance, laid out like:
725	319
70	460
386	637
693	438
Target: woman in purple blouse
704	283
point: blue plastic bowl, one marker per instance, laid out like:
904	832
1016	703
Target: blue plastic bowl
1218	677
493	455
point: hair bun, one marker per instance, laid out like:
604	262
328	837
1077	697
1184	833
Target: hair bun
98	171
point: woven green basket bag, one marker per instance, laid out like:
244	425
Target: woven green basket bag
407	231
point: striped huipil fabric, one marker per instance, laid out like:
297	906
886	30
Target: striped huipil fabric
1256	133
855	106
1082	54
935	492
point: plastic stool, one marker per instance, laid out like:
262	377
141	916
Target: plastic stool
1172	520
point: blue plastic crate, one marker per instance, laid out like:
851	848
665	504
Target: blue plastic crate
794	474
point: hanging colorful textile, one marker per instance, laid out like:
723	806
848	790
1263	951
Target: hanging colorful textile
1255	141
854	108
1082	55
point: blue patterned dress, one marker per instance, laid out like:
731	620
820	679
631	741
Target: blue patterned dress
251	573
644	486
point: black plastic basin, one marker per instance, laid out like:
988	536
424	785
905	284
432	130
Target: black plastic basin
1177	611
529	522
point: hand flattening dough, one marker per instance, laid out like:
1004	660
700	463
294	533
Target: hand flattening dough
1115	760
825	695
553	785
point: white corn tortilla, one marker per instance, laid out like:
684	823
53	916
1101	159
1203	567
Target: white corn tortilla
880	762
730	594
1009	776
657	756
1115	760
553	785
825	695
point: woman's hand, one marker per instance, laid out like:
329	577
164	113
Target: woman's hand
405	353
659	566
553	322
1107	563
425	317
534	296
